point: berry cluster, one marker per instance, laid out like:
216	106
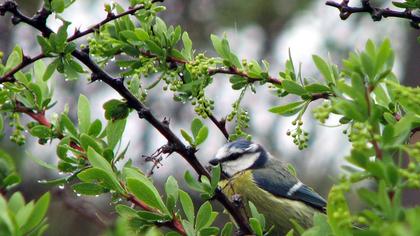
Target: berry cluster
148	66
242	121
172	82
199	66
300	137
203	105
322	113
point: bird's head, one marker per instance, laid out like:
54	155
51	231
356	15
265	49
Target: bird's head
238	156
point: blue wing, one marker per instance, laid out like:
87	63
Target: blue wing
288	186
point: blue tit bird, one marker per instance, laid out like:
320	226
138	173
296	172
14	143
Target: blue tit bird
256	176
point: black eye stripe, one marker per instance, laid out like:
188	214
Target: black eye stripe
231	157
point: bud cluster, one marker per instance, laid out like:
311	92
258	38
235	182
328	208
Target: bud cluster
242	121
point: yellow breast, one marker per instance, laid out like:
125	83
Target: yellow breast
277	211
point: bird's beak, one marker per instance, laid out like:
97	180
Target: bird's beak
214	162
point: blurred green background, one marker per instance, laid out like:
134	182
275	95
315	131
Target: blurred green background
256	30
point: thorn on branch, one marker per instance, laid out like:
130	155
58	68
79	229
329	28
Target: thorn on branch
142	112
110	16
94	77
166	121
42	15
86	49
16	20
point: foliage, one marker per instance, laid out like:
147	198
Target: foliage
378	115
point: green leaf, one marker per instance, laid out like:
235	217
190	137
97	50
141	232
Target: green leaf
116	110
255	214
192	182
125	211
189	228
392	174
288	109
349	109
40	131
86	141
50	69
201	136
150	216
227	229
141	34
98	161
57	6
256	227
88	188
154	48
135	86
11	180
68	124
16	201
114	132
14	59
390	119
24	213
217	44
45	45
209	231
323	68
38	213
172	192
187	137
293	87
108	180
317	88
215	176
41	162
187	50
83	113
203	215
196	125
146	193
95	128
187	205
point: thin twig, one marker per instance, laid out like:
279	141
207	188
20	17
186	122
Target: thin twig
376	13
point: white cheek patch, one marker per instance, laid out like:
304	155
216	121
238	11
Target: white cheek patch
240	164
222	152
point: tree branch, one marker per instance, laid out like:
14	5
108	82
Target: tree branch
376	13
188	153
